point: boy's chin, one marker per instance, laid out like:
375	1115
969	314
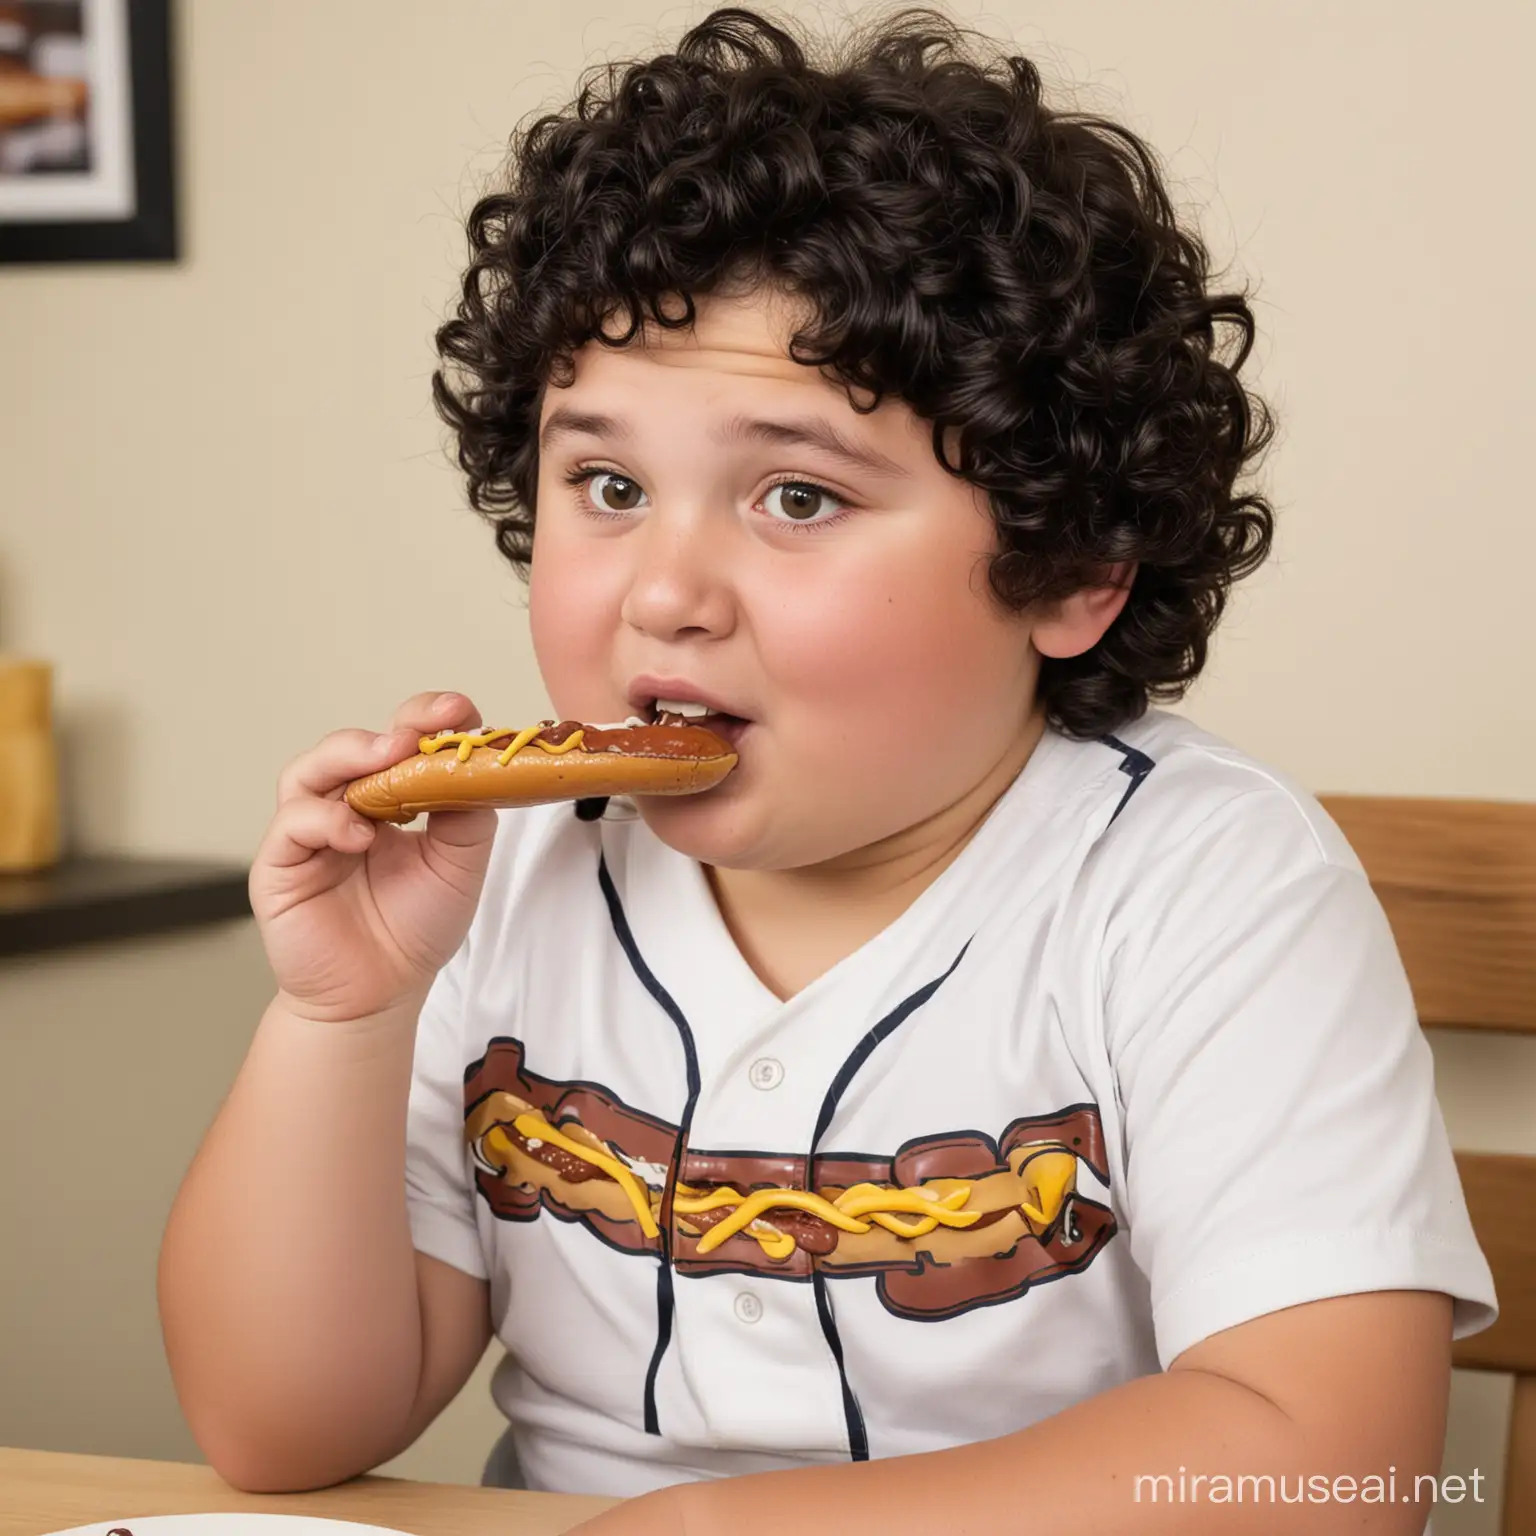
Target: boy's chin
717	828
692	826
727	836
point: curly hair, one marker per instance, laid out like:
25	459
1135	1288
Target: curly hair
1014	273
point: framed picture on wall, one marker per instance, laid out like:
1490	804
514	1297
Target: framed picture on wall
85	131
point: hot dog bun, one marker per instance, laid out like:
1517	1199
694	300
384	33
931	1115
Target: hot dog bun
541	764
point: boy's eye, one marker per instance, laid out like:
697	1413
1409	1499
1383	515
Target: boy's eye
801	500
618	493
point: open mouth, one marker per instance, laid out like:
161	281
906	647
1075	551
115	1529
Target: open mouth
729	728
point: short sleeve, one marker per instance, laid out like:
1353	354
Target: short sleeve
1283	1139
439	1195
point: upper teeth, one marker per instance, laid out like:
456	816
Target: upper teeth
682	707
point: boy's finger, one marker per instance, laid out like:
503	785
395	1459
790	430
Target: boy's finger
306	826
429	713
327	768
472	828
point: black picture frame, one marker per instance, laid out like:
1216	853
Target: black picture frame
151	234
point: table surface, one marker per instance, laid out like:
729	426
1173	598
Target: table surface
46	1491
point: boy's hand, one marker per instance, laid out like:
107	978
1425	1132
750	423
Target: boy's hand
358	916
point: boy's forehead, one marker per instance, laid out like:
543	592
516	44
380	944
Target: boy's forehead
747	335
735	340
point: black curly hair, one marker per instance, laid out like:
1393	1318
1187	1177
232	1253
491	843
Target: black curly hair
1011	272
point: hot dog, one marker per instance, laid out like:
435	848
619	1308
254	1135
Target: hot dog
541	764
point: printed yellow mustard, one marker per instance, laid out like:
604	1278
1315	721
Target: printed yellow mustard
1054	1175
467	741
536	1128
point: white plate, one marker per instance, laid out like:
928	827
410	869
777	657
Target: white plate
231	1525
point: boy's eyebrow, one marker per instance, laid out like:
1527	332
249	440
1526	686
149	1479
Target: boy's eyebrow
811	431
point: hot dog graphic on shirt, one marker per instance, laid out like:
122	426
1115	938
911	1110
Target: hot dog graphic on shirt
947	1223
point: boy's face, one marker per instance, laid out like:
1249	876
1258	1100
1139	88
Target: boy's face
850	624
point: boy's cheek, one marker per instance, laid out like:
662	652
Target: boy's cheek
879	655
571	616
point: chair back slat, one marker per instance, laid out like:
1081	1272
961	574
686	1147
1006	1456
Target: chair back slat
1457	879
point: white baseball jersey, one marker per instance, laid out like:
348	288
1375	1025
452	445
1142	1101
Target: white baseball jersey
1140	1065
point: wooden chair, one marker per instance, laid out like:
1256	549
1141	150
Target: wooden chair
1458	881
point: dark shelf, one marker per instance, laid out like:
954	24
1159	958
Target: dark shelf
84	900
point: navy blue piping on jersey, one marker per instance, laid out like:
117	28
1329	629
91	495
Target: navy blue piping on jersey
1133	762
858	1436
664	1299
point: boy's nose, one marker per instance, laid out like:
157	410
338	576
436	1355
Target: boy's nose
680	582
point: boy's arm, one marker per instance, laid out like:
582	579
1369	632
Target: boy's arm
455	1330
308	1339
1345	1388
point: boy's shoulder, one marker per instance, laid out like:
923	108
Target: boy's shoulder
1218	863
1196	795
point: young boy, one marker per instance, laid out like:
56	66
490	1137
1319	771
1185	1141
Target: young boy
995	1093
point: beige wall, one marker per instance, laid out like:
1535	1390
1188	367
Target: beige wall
224	510
113	1060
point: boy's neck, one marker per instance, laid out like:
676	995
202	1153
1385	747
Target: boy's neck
794	925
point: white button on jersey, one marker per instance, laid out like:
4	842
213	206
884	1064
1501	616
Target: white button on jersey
748	1308
765	1073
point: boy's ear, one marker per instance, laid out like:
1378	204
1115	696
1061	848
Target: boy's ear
1077	623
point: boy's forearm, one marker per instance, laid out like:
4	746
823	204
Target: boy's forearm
1076	1471
287	1277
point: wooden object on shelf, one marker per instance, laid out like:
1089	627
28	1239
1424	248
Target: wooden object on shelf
29	771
